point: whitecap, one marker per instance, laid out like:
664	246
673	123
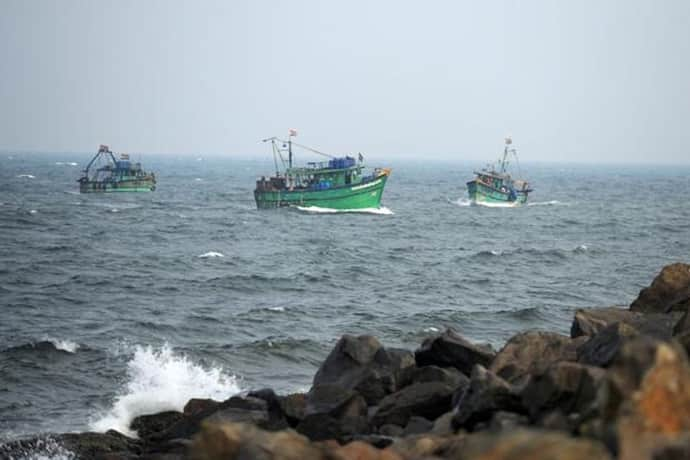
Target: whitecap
28	176
581	248
280	309
431	329
46	449
64	345
462	202
33	211
114	210
317	210
210	255
513	204
545	203
198	179
160	380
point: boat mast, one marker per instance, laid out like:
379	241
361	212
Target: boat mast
509	140
291	132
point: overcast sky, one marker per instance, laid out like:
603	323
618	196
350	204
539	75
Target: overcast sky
594	81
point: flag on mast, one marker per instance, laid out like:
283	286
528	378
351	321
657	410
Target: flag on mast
292	132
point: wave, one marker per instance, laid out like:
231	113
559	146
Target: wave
384	211
546	203
27	176
64	345
555	252
210	255
278	309
160	380
65	163
462	202
47	345
44	448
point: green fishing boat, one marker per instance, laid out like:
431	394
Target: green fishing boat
105	174
339	183
494	186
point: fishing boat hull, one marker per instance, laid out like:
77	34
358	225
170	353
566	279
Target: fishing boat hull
138	185
482	194
365	195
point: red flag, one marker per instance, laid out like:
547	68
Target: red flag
292	132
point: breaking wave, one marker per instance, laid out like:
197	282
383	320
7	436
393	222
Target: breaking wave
210	255
160	380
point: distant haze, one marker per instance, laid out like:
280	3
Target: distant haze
590	81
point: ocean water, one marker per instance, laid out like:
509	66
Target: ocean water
114	306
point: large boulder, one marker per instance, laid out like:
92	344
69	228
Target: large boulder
147	425
362	364
485	394
657	414
449	349
683	324
333	412
533	352
242	441
446	375
591	321
566	386
524	444
602	348
236	409
429	400
293	407
669	291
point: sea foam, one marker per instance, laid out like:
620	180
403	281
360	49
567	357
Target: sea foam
384	211
160	380
210	255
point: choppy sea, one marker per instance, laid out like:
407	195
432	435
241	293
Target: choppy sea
123	304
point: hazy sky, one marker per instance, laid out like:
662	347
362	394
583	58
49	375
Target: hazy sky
570	80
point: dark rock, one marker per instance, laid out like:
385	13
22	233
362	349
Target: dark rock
568	387
532	353
486	394
293	406
591	321
390	430
443	425
376	440
446	375
428	400
524	444
449	349
236	409
683	324
502	421
602	348
334	400
669	291
147	425
418	425
195	406
332	412
362	364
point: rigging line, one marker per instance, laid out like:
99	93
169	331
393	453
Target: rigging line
311	149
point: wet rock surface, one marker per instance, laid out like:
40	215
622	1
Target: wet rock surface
618	388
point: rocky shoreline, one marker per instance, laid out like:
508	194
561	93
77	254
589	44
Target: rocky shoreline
618	387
